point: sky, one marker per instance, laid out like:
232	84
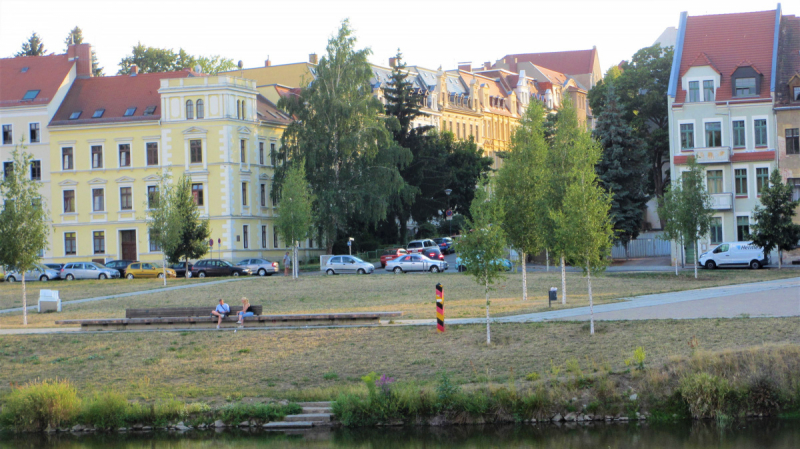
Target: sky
430	33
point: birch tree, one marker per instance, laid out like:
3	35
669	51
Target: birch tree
669	210
294	210
24	221
158	210
482	248
521	187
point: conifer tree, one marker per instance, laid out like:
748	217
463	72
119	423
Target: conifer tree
32	47
773	228
622	169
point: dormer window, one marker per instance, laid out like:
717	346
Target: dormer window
745	87
129	112
30	95
708	90
98	113
75	115
746	81
694	91
796	93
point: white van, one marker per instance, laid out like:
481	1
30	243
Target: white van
734	254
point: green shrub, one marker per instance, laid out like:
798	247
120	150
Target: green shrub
533	377
446	392
107	410
706	395
41	404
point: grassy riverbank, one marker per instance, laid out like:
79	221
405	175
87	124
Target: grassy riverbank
412	294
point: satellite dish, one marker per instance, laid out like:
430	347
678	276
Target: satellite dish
198	69
241	65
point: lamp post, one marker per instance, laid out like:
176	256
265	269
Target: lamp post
450	217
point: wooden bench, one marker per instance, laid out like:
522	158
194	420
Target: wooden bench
259	321
170	312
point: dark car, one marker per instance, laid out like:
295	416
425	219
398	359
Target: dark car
445	244
180	269
216	267
433	252
120	265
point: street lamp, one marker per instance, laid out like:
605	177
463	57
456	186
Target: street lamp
450	217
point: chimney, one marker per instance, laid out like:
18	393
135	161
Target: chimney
134	70
465	66
312	59
267	63
487	65
82	54
392	62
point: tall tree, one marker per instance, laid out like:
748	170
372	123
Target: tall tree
32	47
159	207
773	228
294	209
187	236
583	223
521	187
669	209
622	169
75	36
351	159
483	245
152	59
642	88
24	222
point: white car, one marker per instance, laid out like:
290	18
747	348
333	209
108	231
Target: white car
38	273
347	265
419	246
732	254
88	270
261	267
415	262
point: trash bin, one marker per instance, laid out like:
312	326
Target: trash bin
553	295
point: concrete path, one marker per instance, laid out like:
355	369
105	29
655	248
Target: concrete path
123	295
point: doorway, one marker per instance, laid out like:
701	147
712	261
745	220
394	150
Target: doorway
128	243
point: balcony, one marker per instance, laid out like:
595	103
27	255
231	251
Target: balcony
716	155
721	201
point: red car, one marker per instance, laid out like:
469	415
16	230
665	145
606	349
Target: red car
433	253
390	254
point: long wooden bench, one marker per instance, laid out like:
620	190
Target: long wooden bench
258	321
170	312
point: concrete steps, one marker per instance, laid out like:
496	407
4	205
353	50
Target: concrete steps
313	410
309	417
326	404
314	414
288	425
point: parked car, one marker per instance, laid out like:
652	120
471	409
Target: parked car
38	273
731	254
180	269
446	244
147	270
88	270
417	246
504	263
433	253
416	262
120	265
261	267
391	253
217	267
347	265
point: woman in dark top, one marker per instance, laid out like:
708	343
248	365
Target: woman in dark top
246	310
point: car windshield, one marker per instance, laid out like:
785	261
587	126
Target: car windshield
225	263
357	259
99	265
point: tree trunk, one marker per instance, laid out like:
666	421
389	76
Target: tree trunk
547	259
488	329
188	272
677	247
24	302
524	278
780	256
563	281
591	302
295	265
164	267
694	262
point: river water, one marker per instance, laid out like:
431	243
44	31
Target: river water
762	434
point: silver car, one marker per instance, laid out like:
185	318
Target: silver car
38	273
88	270
261	267
415	262
347	265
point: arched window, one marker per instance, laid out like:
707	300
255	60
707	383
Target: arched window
243	109
189	110
200	111
238	108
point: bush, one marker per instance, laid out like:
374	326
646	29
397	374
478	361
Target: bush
707	395
38	405
108	410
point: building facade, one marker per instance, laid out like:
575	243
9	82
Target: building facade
720	101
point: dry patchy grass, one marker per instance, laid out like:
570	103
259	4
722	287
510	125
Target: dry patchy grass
285	363
411	294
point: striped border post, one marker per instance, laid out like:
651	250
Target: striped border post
439	308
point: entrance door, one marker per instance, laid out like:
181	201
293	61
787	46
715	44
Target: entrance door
128	239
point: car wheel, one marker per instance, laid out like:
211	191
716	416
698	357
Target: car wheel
754	264
102	276
44	278
70	277
235	274
129	276
711	265
160	275
330	272
398	270
11	279
262	272
202	274
361	271
434	269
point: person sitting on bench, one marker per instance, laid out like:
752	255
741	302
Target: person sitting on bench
247	310
222	311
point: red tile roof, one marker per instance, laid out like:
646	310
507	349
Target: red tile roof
569	62
701	60
45	73
788	58
115	94
753	156
268	112
727	39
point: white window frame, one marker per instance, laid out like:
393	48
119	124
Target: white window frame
747	132
245	236
64	243
41	170
130	155
753	126
105	242
265	236
61	149
105	206
102	154
722	223
733	173
694	136
149	251
29	132
158	152
2	142
74	198
749	216
721	131
755	176
119	198
716	168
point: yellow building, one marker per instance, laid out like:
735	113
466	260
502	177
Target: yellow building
114	138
